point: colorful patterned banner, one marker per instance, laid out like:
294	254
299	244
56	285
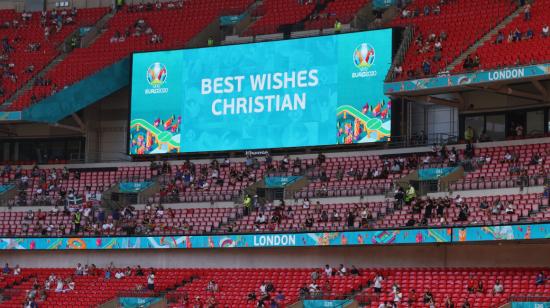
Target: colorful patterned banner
467	79
501	233
387	237
380	237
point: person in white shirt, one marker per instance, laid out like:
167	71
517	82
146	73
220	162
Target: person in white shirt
378	283
342	271
545	31
71	285
498	288
397	296
306	204
59	287
328	270
263	288
119	274
260	219
16	270
151	281
79	269
313	288
510	208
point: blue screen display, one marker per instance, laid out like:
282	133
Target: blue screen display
303	92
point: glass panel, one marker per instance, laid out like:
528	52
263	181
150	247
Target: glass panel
496	126
535	122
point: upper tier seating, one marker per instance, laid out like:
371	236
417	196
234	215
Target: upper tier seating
175	23
463	22
341	10
523	52
274	13
25	48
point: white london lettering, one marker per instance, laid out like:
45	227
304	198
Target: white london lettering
275	240
507	74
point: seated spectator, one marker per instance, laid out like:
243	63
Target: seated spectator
413	297
261	219
328	270
378	279
510	209
59	286
480	288
500	38
498	288
17	270
119	274
428	297
251	297
540	278
545	31
212	286
529	34
342	270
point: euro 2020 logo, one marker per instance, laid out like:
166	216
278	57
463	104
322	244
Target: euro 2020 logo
156	74
363	56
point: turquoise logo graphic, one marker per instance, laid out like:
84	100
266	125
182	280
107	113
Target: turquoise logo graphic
363	56
156	74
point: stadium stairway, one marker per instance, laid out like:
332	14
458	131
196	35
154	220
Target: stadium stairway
472	49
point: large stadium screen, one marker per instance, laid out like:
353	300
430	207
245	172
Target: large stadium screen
314	91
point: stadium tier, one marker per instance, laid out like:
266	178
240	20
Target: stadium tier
275	153
242	287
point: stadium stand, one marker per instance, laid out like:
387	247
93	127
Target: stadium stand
457	26
28	47
272	14
132	29
531	47
233	287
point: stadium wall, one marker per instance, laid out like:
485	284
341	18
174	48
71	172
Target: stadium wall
532	254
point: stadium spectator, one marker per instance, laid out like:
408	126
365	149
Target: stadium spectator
412	298
6	270
449	303
545	32
151	280
540	279
378	279
527	12
498	288
428	297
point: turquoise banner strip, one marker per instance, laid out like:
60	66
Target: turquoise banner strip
135	302
326	303
81	94
4	188
380	237
280	181
387	237
382	4
230	19
530	305
434	173
133	187
10	116
467	79
502	233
